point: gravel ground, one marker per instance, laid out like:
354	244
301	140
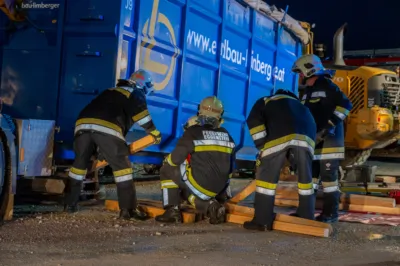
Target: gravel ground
42	235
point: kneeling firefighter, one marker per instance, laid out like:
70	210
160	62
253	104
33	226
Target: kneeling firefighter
329	107
225	194
201	178
282	129
101	127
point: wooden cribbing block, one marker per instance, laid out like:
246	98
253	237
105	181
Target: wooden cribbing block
345	207
386	179
244	193
151	210
283	226
247	211
292	194
134	147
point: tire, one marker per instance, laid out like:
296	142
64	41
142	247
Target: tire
7	183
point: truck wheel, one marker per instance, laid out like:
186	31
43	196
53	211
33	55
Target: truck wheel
6	176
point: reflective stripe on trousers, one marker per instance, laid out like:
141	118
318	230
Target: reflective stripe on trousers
77	174
305	189
293	142
123	175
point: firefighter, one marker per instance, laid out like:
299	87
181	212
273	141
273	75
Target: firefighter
225	194
329	107
282	129
204	174
102	126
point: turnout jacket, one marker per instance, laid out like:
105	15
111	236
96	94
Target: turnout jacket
329	107
281	122
205	156
115	111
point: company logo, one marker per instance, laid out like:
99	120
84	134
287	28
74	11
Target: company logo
148	43
41	5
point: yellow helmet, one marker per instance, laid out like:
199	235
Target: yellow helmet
211	107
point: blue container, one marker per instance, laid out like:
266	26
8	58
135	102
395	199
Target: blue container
193	48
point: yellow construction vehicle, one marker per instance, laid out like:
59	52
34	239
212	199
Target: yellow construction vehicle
375	93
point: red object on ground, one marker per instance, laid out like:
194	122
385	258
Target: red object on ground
396	195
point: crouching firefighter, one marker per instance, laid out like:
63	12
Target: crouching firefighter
101	127
282	129
329	107
201	178
226	193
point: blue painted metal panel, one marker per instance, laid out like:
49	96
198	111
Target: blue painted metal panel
89	52
30	63
193	48
36	141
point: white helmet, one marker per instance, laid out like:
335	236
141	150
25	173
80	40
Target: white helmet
310	65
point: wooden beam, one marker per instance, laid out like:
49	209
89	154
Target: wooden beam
386	179
244	193
151	210
286	190
283	226
247	211
345	207
292	194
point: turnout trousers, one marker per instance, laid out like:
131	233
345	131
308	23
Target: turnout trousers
326	171
267	177
116	152
176	187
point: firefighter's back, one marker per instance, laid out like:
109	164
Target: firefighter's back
211	160
286	116
108	105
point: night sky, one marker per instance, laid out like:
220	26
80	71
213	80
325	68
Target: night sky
371	24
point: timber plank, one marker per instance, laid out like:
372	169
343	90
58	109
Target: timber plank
283	226
247	211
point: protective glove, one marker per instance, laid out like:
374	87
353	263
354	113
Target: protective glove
321	135
157	136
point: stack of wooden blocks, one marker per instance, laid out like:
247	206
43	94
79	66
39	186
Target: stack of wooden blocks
238	215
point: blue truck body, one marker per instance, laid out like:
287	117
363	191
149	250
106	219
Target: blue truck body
72	50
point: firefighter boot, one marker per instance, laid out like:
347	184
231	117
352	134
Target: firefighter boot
72	193
264	215
306	207
171	215
253	225
70	208
330	209
136	214
216	212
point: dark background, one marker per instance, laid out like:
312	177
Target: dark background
371	24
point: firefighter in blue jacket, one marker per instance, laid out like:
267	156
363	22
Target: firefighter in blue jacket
329	107
199	167
282	129
101	127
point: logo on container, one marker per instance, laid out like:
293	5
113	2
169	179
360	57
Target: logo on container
41	5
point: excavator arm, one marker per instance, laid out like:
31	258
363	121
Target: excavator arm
9	7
